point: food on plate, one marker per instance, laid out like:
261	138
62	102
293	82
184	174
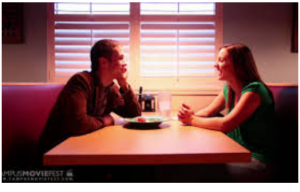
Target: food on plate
148	119
145	121
154	120
141	119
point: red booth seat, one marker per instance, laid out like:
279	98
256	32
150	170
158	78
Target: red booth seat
25	109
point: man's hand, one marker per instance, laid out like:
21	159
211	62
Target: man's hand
122	79
185	114
108	120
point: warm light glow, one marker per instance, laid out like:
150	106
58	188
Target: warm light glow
167	46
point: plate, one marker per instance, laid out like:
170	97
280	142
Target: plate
146	121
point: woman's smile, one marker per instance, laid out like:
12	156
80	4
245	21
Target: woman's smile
224	65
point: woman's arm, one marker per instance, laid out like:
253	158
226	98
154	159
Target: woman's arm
214	108
245	107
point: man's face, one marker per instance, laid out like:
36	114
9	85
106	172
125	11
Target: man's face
117	66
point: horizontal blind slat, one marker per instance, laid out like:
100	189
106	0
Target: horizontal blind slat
193	50
176	18
160	26
79	42
98	18
164	43
93	33
158	59
174	35
91	26
169	43
160	51
63	73
66	58
76	49
72	49
73	66
111	36
172	73
165	65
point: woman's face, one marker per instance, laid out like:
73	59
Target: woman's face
224	66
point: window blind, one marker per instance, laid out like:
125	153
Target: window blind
168	46
178	45
78	26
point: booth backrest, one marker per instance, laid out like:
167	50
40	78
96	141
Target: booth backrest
25	109
286	102
286	107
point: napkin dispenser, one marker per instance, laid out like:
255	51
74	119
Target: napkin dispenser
148	103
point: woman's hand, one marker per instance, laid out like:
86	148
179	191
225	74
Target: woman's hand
185	114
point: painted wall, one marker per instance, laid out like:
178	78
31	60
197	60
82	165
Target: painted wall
265	27
27	62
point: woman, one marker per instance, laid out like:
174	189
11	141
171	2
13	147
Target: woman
250	112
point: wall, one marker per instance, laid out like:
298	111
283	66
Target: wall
27	62
265	27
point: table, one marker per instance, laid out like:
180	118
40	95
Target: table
171	143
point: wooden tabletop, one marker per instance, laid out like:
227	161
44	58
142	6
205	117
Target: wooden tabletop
171	143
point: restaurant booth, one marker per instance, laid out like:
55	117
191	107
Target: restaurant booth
26	107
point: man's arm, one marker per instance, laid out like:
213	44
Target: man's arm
75	108
130	106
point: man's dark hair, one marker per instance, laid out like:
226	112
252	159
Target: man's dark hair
103	48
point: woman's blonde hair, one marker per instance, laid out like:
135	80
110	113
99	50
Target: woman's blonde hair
244	67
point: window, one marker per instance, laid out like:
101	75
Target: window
169	46
77	26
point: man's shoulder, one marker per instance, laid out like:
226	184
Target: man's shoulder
80	80
81	76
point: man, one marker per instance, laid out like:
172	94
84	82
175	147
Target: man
88	98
